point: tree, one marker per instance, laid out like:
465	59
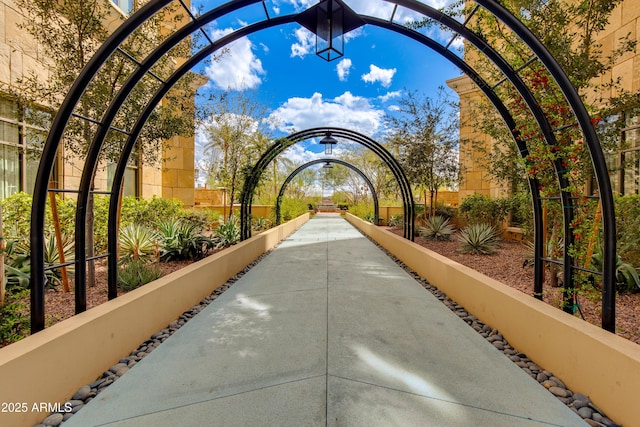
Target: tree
569	29
373	168
423	133
70	32
236	129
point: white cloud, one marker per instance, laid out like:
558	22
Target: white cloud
239	69
346	111
377	74
306	42
390	95
343	68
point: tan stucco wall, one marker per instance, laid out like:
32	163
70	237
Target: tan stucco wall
588	359
178	171
51	365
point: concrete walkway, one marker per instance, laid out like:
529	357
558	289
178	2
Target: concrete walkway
326	330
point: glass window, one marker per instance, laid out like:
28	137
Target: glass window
9	170
21	140
125	5
130	182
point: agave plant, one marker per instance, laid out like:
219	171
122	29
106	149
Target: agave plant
228	232
437	228
627	279
138	242
395	221
480	239
135	273
182	240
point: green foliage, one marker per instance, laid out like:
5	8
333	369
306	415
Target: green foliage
395	220
293	208
362	210
16	212
135	273
259	224
628	227
627	279
134	210
437	228
138	242
424	134
479	239
52	257
446	211
228	232
479	208
14	319
17	268
182	240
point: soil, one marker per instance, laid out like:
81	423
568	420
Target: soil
506	266
60	305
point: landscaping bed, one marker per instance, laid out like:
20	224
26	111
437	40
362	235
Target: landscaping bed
506	266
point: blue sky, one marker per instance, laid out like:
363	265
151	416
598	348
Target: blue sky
304	91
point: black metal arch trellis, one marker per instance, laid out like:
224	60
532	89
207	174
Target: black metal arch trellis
143	68
252	180
374	195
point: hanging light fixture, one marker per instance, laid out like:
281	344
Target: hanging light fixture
328	141
327	165
329	20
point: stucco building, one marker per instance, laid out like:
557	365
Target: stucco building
624	165
21	55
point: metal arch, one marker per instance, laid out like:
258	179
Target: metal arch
73	96
251	181
598	160
376	206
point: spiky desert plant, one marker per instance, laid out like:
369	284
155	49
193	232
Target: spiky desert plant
480	239
228	232
137	242
437	228
135	273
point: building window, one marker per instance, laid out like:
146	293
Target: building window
125	5
22	136
131	180
627	179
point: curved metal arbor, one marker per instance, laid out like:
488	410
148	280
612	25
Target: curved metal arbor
144	68
376	206
252	180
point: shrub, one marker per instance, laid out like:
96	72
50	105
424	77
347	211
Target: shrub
14	319
395	220
437	228
628	227
138	242
182	240
480	239
259	224
292	208
17	266
135	273
627	279
228	232
479	209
